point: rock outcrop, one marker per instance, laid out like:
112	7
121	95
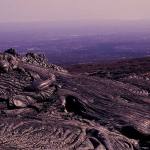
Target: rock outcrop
43	106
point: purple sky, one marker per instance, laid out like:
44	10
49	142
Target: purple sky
67	10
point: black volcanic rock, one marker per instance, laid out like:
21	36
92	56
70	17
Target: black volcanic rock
11	51
43	106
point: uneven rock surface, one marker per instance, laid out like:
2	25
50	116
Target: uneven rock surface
43	106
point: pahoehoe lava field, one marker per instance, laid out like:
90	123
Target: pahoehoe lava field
84	107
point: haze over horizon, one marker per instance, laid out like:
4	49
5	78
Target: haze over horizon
76	31
70	10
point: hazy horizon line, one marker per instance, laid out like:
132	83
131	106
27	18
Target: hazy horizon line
78	20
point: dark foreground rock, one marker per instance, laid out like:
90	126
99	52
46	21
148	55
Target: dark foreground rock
42	106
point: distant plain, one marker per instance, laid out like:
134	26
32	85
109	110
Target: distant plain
77	42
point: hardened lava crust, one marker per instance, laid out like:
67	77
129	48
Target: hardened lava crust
45	107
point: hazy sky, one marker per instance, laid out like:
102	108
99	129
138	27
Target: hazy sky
62	10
